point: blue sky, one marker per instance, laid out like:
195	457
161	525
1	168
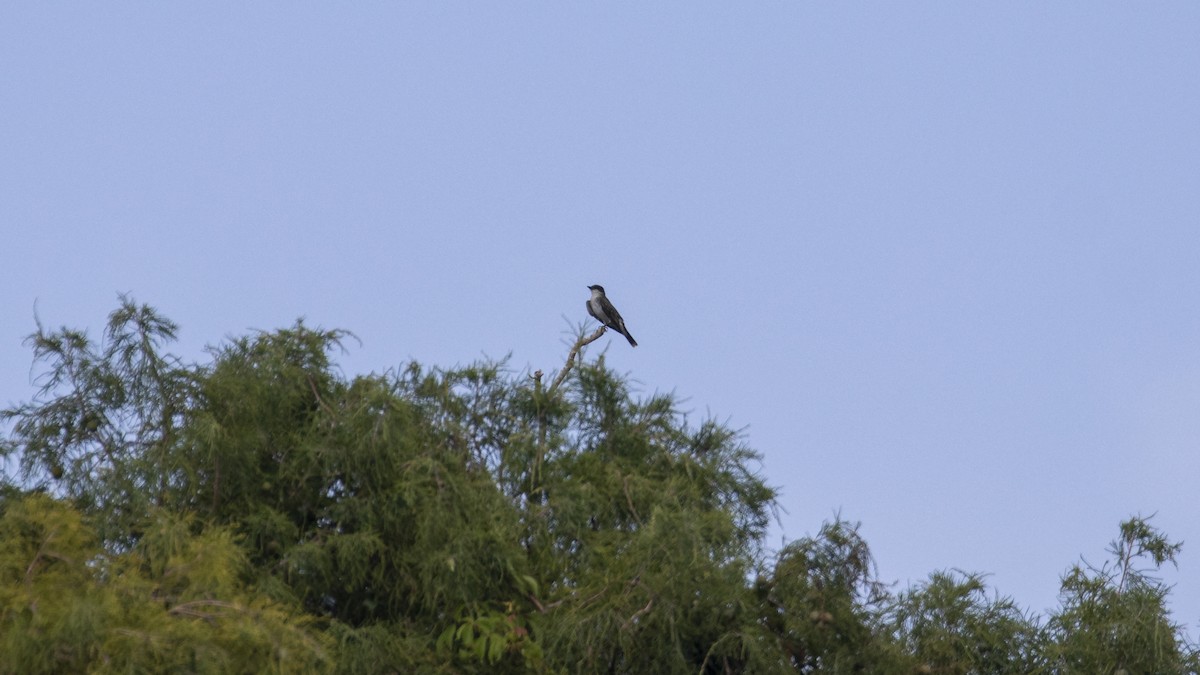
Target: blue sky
941	260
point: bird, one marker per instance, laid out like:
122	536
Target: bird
604	312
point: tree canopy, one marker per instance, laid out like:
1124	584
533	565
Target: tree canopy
263	512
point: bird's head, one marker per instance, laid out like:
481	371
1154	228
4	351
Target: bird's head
597	287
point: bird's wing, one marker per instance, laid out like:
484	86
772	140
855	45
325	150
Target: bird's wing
614	317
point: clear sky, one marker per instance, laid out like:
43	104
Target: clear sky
941	260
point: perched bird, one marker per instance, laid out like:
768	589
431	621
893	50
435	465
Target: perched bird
604	312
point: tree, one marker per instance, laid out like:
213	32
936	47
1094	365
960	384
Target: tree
176	601
105	424
950	625
823	602
1114	618
261	511
432	520
645	536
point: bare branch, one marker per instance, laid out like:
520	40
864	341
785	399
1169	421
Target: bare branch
43	553
637	615
313	385
193	609
629	500
579	344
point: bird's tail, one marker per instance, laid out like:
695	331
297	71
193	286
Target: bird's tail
630	338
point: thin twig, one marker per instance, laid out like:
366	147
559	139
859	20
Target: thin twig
190	608
637	615
41	552
629	500
535	478
313	385
537	603
574	595
148	637
579	344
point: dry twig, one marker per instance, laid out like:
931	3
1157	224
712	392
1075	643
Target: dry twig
579	344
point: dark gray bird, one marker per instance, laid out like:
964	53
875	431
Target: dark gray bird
604	312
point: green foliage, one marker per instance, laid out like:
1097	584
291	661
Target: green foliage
1114	618
105	425
949	625
491	638
261	512
176	602
631	499
822	601
46	550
